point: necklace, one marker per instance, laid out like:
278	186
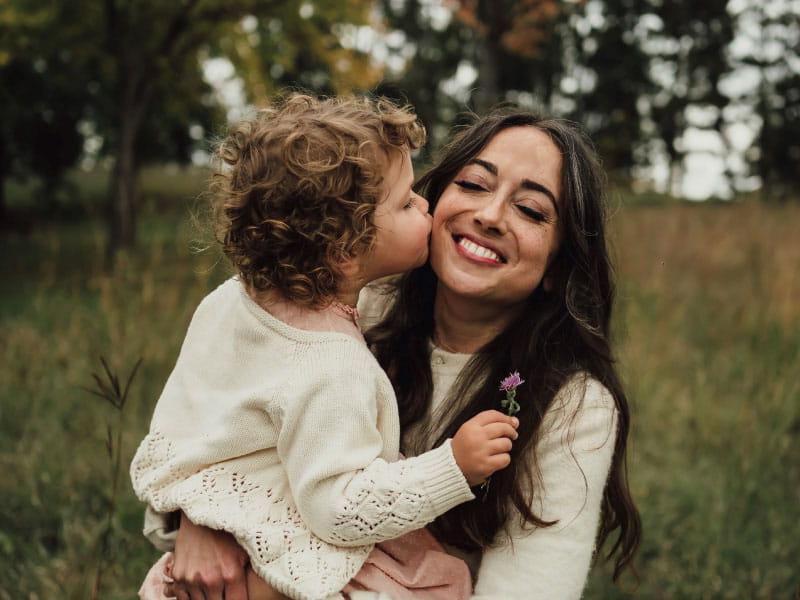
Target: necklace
351	312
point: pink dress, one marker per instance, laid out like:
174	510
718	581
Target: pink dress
411	567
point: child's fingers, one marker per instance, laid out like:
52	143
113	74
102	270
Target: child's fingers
496	430
495	416
498	461
500	445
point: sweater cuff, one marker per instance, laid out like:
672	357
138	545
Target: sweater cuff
158	529
443	481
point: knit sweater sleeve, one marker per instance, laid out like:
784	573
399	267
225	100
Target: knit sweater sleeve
347	490
574	458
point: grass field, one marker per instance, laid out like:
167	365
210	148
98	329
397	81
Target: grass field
708	332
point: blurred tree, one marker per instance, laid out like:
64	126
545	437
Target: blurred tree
778	162
694	38
519	46
40	106
776	98
37	133
309	45
139	67
514	47
428	51
621	76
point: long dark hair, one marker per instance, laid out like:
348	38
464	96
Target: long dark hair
562	332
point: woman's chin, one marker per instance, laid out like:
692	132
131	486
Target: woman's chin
466	285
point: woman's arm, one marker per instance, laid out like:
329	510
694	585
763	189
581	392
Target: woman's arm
574	458
208	564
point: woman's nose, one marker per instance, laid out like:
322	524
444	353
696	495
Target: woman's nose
491	216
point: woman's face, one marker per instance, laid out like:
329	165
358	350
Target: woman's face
495	227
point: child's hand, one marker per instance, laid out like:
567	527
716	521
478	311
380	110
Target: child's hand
481	446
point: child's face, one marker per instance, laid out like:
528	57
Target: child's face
402	221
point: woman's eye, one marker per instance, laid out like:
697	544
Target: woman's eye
532	213
468	185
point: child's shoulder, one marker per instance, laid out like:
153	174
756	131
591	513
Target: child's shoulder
225	292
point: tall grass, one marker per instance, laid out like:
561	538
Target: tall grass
708	330
709	324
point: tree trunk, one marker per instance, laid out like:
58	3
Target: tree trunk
122	226
3	211
124	190
488	92
489	55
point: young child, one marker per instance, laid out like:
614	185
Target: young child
277	424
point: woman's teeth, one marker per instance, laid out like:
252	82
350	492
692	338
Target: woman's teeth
477	250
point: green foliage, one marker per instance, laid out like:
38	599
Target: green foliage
107	387
708	337
39	100
133	71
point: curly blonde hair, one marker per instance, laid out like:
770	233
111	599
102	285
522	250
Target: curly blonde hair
297	185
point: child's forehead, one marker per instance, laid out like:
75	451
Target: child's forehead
398	173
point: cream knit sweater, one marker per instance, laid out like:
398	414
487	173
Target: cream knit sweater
288	439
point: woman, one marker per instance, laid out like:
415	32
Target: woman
519	279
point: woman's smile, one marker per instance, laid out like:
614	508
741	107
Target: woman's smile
478	251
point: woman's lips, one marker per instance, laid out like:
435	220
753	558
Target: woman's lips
476	251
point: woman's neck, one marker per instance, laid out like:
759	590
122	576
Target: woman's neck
465	325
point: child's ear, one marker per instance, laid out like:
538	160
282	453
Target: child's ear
350	268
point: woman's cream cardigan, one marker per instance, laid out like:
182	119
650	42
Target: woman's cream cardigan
288	439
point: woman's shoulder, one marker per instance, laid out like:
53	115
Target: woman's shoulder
375	301
582	401
581	389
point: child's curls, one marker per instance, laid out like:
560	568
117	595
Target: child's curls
297	187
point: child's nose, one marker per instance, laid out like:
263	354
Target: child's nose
422	204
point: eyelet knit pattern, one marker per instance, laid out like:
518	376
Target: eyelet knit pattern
288	439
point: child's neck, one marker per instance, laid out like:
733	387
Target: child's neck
329	318
348	292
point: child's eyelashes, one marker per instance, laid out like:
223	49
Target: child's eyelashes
412	202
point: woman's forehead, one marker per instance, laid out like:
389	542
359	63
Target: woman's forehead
524	153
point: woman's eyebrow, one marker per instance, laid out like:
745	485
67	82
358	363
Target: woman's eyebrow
492	168
538	187
528	184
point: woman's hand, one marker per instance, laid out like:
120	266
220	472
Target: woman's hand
482	445
208	565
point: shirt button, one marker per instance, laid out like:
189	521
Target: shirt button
439	360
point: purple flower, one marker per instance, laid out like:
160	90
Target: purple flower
509	385
512	382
